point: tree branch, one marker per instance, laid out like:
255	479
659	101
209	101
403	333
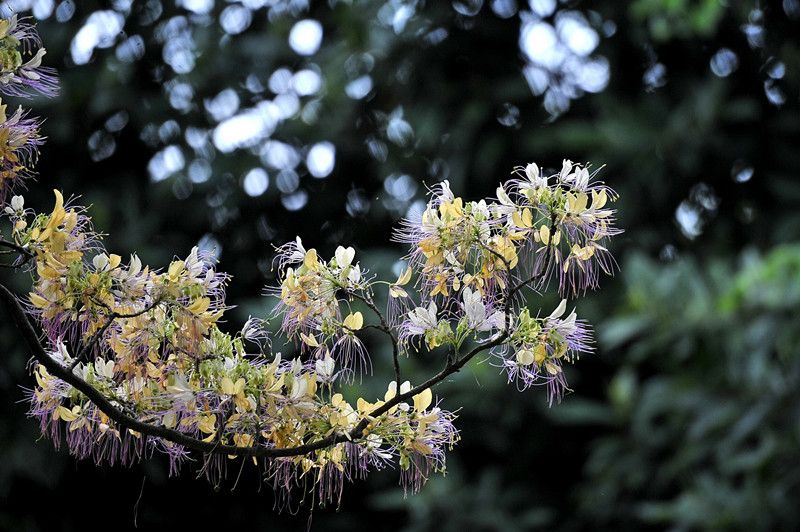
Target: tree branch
23	323
26	253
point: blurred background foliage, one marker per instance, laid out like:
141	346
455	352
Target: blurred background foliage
237	125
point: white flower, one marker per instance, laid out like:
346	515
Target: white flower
532	171
566	167
253	330
61	354
193	263
354	276
446	194
567	326
135	266
325	367
391	391
297	366
373	444
497	320
423	319
104	368
81	370
559	311
34	62
451	258
537	180
100	262
481	209
506	206
17	203
299	387
430	221
474	309
404	388
299	252
581	179
502	196
475	312
344	256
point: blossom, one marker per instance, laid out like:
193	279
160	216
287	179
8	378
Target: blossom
539	347
569	224
422	319
456	243
19	143
344	256
475	312
20	76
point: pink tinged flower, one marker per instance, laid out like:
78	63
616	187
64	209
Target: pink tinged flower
19	144
290	253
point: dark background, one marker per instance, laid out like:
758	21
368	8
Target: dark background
687	417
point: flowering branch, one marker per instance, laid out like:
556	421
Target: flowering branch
154	371
23	323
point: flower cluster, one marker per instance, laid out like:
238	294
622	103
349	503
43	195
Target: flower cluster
573	223
21	74
21	53
311	294
123	341
473	259
540	346
149	341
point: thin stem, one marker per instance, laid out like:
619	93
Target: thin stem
26	253
384	326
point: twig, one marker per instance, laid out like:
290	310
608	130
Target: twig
26	253
384	326
99	334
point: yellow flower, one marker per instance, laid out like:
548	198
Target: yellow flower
423	400
524	219
354	321
311	261
231	388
